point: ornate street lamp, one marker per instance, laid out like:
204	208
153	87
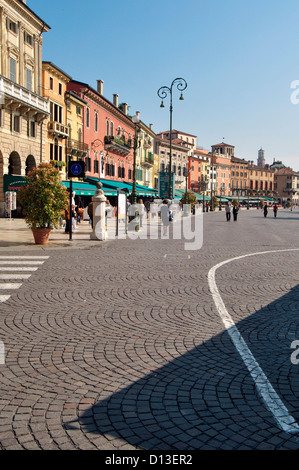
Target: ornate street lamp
163	92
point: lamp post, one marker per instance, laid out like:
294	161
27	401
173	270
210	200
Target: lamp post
136	145
163	92
203	188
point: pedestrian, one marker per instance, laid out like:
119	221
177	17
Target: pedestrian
228	211
90	213
265	210
67	221
235	213
141	211
275	209
147	206
165	216
108	211
80	210
74	212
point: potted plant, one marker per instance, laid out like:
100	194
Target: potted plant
43	199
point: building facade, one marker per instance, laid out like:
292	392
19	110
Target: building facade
54	82
108	133
221	161
239	177
180	153
261	179
199	171
23	108
286	184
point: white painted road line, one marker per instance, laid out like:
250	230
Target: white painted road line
4	298
13	276
16	268
271	399
7	285
24	257
21	262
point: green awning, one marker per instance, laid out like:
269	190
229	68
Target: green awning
13	182
81	188
125	186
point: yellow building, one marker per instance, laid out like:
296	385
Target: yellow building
54	88
76	147
145	156
23	110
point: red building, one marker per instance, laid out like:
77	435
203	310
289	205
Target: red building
108	131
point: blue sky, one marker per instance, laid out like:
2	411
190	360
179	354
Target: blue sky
239	58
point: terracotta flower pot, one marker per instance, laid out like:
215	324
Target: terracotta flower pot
41	235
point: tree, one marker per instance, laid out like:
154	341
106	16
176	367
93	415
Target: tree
43	197
191	199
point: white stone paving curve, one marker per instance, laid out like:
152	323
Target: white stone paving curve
271	399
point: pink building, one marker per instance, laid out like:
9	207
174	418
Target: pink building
109	133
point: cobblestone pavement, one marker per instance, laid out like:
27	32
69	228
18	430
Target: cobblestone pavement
119	345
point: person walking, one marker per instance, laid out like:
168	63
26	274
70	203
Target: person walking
235	213
165	216
275	209
265	210
228	211
141	211
90	213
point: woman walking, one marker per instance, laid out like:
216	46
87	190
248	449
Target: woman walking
235	213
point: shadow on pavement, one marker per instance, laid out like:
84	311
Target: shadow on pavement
206	399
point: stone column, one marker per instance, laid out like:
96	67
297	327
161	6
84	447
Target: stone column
99	204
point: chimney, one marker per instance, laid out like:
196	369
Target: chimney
100	86
115	100
138	114
125	108
151	127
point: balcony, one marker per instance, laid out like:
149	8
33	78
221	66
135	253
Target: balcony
147	143
58	129
18	98
76	148
117	145
147	160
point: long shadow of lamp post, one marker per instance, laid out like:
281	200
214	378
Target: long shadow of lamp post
163	92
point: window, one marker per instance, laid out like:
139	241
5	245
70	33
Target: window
31	129
96	122
78	110
16	123
55	112
107	127
51	83
11	26
28	39
111	129
96	166
88	164
87	117
60	88
12	69
28	79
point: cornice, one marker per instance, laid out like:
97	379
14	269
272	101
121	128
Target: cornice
25	13
105	104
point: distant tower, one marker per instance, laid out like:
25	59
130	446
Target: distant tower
261	158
